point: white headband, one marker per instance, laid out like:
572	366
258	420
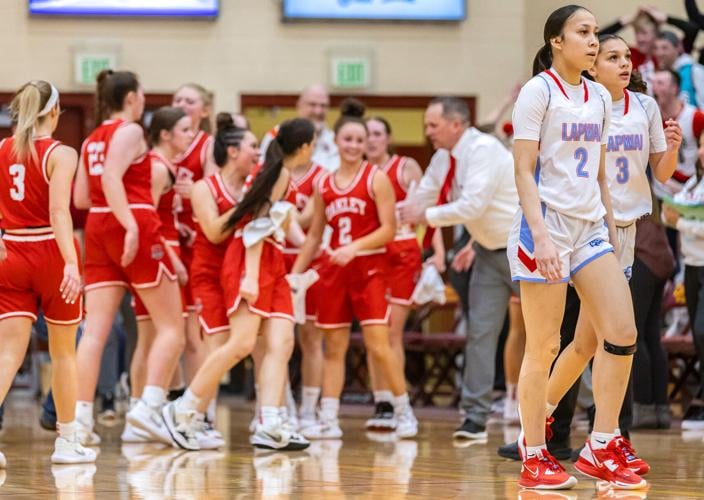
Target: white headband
53	99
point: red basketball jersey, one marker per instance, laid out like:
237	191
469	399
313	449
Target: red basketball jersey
137	179
394	170
24	186
166	208
304	187
204	250
351	212
190	167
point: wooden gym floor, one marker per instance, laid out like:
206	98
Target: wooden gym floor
360	466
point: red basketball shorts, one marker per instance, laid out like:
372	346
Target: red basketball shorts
140	310
274	299
357	290
30	278
405	264
209	296
104	241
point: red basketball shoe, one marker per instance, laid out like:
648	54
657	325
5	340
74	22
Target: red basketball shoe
607	465
629	457
544	472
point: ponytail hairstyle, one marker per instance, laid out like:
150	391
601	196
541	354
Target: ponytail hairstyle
387	128
636	84
293	134
553	29
351	111
207	97
164	118
226	135
112	88
33	101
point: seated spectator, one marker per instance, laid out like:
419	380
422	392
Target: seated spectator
670	54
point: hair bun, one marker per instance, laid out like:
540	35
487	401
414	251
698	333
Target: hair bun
224	120
352	107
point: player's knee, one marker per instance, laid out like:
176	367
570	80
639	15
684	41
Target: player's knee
622	335
585	348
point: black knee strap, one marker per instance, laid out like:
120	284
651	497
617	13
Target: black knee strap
619	350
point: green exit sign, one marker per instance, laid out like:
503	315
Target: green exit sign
350	72
87	66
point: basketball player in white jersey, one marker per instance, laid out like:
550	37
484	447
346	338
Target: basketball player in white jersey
561	233
636	139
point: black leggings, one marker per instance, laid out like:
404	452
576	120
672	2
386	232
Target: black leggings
649	376
694	292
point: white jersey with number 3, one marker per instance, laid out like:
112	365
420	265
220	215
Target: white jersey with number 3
635	132
571	123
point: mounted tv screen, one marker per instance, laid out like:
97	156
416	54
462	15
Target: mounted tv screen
375	10
129	8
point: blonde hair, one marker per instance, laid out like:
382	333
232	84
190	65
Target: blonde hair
24	110
207	97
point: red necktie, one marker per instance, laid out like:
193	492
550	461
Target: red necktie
443	198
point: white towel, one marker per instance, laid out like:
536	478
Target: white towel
263	227
430	286
300	283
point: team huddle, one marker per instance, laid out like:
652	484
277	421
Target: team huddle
226	246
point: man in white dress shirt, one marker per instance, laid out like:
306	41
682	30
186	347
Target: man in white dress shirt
470	181
313	104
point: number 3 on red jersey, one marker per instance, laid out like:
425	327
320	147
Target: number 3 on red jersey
17	171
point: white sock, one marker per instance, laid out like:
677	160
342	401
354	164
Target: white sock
211	411
383	397
309	400
599	440
617	432
133	401
68	430
84	411
283	413
154	395
188	402
269	415
402	403
329	408
532	451
549	409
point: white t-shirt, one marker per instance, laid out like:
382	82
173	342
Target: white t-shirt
634	134
571	123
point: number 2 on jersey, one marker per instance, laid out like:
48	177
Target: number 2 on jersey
17	171
622	165
581	155
344	227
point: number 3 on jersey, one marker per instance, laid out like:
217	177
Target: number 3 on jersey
344	226
581	155
17	171
622	165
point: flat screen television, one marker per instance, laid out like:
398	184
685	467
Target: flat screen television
127	8
375	10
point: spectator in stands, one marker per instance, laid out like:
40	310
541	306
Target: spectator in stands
670	54
470	181
646	22
313	104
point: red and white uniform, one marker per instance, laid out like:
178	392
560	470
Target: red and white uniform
207	266
190	167
274	300
166	209
404	256
299	195
31	274
104	235
358	289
